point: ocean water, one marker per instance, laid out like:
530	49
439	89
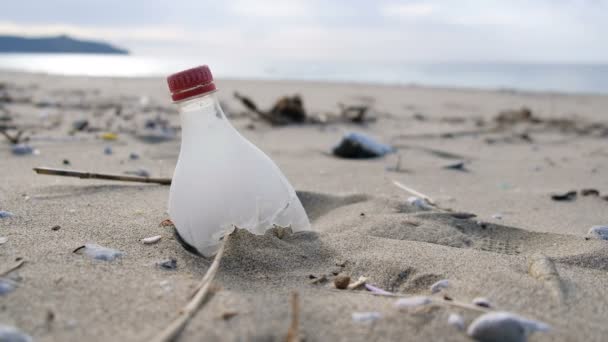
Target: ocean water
578	78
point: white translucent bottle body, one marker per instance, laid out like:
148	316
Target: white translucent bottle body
222	180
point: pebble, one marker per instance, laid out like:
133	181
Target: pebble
107	150
440	285
6	286
66	162
341	281
481	301
360	146
98	252
56	228
599	232
5	214
362	317
3	240
150	240
22	149
456	321
12	334
412	302
169	264
503	327
419	203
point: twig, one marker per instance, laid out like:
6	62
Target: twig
172	331
85	175
292	333
12	268
414	192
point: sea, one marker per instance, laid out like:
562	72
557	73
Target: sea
563	78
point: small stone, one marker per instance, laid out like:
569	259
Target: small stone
66	162
504	327
456	321
169	264
363	317
341	281
12	334
56	228
440	285
598	232
483	302
412	302
5	214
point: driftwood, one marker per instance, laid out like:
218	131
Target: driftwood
91	175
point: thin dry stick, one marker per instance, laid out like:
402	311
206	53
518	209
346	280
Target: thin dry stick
12	268
292	333
86	175
172	331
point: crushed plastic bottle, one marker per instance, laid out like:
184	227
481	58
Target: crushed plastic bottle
221	179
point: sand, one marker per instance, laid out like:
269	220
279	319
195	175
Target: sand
362	223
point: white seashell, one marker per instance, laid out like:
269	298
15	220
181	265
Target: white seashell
419	203
150	240
503	327
3	240
412	302
98	252
440	285
12	334
483	302
361	317
456	321
599	232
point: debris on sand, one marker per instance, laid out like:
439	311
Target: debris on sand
167	223
5	214
565	197
440	285
139	173
481	301
107	150
133	156
514	116
360	146
3	240
360	282
80	125
376	290
504	326
12	334
169	264
419	203
287	110
98	252
598	232
109	136
412	302
151	240
22	150
590	192
355	113
6	286
460	166
456	321
364	317
341	281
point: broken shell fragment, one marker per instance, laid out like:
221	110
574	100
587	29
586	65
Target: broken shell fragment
503	326
440	285
412	302
98	252
598	232
151	240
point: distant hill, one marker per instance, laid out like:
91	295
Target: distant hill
59	44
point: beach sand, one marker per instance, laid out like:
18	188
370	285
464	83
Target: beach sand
524	252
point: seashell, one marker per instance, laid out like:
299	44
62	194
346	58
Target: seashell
419	203
12	334
98	252
150	240
481	301
440	285
599	232
362	317
503	327
456	321
412	302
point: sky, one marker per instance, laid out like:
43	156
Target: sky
544	31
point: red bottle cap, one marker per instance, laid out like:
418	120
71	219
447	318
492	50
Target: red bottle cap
191	82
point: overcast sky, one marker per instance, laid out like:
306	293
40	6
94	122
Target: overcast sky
343	30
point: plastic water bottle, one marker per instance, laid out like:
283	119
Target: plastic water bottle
221	179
